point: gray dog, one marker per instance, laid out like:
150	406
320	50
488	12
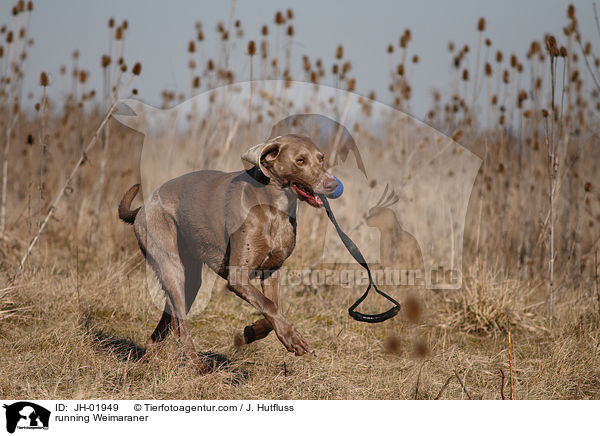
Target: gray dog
241	224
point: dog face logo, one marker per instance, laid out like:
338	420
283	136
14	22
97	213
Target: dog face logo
26	415
406	186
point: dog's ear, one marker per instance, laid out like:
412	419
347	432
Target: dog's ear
270	151
265	152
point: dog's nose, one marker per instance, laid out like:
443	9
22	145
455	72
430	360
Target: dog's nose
334	187
330	185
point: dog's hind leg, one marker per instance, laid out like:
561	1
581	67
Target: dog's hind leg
162	254
166	323
261	328
169	323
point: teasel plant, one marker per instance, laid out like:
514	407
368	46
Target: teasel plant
135	71
551	117
13	58
111	84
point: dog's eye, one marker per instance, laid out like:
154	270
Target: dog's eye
300	161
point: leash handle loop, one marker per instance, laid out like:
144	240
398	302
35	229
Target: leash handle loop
355	252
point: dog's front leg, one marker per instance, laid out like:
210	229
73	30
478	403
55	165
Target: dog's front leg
239	282
261	328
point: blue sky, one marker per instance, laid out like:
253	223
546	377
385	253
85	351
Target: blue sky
159	32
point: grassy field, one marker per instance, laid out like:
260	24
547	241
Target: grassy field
75	317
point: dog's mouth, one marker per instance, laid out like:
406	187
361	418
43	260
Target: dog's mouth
306	194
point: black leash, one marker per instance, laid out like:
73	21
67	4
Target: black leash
355	252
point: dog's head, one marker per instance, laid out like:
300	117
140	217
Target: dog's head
294	162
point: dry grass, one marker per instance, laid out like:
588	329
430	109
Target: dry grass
73	322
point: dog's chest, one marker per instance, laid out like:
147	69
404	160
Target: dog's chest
281	239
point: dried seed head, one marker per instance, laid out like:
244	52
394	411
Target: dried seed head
499	56
200	36
545	113
481	24
30	6
403	41
346	67
290	14
390	48
192	64
251	48
119	33
334	69
393	345
413	307
124	68
551	46
415	59
191	47
196	82
9	37
111	22
37	107
1	51
264	31
587	48
351	85
290	30
279	18
513	61
421	349
563	51
137	69
44	81
465	75
83	76
125	24
225	36
237	24
506	76
488	42
400	69
339	52
75	54
134	91
210	65
488	69
571	11
450	46
587	187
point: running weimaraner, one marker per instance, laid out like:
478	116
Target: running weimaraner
241	224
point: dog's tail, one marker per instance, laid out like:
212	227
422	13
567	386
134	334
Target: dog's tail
125	212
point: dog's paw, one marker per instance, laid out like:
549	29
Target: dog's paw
295	343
